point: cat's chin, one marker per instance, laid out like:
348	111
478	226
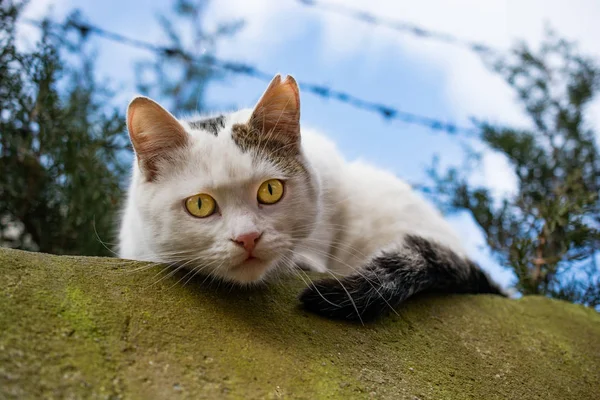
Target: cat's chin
250	271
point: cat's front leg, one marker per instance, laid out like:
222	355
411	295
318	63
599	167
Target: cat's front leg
310	261
392	277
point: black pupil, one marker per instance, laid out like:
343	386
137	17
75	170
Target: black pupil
270	189
199	203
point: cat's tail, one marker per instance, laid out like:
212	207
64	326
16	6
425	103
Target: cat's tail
390	278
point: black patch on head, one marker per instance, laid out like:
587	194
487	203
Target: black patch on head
389	279
212	125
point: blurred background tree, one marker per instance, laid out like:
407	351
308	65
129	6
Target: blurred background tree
59	144
64	150
548	232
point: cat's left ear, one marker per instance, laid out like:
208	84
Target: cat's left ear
277	113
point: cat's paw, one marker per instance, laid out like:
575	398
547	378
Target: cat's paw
351	298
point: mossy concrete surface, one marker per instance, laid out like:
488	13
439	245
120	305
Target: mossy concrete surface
75	327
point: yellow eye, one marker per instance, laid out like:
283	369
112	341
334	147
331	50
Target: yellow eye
270	192
200	205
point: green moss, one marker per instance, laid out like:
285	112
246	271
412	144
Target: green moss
76	310
93	327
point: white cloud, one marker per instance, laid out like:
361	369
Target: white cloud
469	86
28	35
268	25
496	174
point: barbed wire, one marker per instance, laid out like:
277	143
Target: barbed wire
387	112
400	26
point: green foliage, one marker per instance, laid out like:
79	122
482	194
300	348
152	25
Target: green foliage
548	232
60	144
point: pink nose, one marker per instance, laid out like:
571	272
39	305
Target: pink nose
248	240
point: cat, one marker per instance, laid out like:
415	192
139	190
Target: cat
244	195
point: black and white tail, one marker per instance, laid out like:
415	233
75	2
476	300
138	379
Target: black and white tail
389	279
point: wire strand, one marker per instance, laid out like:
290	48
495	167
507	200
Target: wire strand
387	112
399	26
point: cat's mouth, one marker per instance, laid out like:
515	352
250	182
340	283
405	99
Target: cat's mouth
245	260
250	259
250	270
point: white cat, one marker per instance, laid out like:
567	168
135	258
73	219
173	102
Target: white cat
243	195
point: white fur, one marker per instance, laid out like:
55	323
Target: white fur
358	211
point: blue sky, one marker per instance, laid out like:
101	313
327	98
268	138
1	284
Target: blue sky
377	64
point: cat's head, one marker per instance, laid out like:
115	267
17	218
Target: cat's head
229	196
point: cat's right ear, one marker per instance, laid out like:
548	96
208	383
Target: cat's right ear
154	134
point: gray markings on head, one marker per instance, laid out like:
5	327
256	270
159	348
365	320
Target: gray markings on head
281	150
212	125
